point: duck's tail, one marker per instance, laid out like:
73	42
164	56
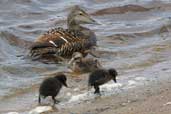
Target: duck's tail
38	49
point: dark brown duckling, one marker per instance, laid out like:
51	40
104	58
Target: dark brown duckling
79	64
100	77
64	42
52	86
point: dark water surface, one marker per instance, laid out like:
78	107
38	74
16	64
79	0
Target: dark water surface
134	35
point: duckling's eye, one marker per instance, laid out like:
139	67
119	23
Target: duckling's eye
76	58
80	13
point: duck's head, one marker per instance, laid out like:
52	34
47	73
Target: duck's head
76	57
62	78
79	16
113	73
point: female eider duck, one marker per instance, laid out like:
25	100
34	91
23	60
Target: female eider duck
62	43
100	77
79	64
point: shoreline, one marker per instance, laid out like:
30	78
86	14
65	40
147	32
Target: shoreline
144	97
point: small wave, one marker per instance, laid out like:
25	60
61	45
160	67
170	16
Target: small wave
13	40
121	10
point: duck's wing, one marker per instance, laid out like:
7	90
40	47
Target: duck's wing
39	45
59	36
62	42
103	77
76	46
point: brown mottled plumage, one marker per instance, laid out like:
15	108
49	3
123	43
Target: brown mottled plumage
63	43
79	64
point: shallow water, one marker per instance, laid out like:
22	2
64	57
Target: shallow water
133	37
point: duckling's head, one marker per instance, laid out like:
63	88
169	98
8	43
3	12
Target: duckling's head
76	57
113	73
79	16
62	78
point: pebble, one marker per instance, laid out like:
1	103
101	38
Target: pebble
168	103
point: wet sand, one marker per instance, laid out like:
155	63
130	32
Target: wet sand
154	103
153	97
157	102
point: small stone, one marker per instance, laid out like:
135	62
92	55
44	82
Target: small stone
123	104
168	103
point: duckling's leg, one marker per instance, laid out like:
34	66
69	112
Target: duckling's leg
39	100
97	89
54	100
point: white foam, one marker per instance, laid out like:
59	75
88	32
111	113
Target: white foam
12	113
106	88
129	87
140	78
40	109
68	94
131	82
113	85
78	97
76	89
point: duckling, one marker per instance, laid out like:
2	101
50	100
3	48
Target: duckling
64	42
52	86
100	77
79	64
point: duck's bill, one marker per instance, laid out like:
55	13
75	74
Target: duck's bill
115	80
65	84
92	21
86	20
